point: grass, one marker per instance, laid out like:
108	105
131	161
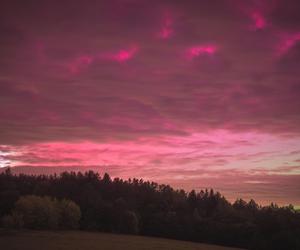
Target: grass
77	240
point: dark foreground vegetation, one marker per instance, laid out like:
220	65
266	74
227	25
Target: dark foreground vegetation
90	202
80	240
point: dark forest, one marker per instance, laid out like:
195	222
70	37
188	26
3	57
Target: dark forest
88	201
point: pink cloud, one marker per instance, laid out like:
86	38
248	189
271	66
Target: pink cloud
288	41
125	55
257	13
167	27
199	50
259	21
120	56
212	151
158	116
80	63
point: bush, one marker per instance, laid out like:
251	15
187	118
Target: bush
36	212
69	214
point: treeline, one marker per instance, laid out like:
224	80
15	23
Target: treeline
90	202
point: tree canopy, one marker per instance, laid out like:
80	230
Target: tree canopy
134	206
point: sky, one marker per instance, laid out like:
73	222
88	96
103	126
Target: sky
195	94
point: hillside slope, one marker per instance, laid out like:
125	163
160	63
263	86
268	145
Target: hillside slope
77	240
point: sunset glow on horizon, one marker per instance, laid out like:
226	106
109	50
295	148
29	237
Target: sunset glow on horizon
195	94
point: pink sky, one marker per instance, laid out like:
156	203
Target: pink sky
196	94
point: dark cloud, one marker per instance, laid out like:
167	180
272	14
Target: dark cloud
153	77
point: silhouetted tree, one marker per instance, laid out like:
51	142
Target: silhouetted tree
136	206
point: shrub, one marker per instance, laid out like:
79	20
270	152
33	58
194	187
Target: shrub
35	212
69	214
38	212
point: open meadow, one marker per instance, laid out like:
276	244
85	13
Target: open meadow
77	240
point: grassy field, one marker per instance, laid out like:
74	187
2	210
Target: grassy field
75	240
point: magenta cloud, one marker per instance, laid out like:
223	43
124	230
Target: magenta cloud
167	29
287	42
199	50
80	63
259	21
124	55
182	92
